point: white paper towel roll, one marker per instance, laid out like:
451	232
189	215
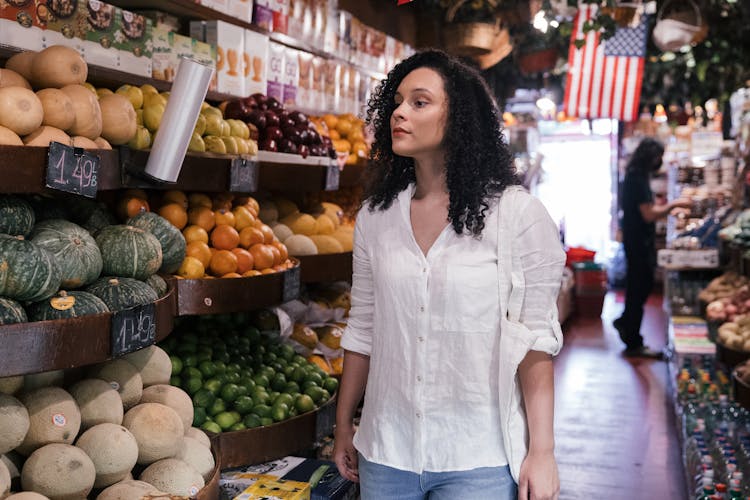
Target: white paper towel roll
177	124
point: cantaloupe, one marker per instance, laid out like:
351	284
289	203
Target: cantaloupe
14	421
123	377
58	108
60	472
21	63
281	231
158	430
58	66
193	453
285	207
53	417
9	78
113	449
98	401
20	110
11	385
153	363
88	119
171	396
118	119
324	225
14	463
345	238
268	212
130	490
51	378
198	435
9	138
84	142
45	134
27	495
174	476
299	245
300	223
102	143
4	480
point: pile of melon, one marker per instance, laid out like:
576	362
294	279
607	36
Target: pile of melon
64	108
114	430
320	232
68	258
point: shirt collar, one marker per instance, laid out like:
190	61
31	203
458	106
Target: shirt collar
404	201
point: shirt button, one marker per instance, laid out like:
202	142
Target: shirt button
419	415
421	308
419	378
421	339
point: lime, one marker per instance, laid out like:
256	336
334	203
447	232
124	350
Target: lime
279	411
274	394
266	421
299	359
192	372
326	396
175	381
261	380
223	357
176	365
251	420
269	357
309	383
199	416
247	382
189	338
330	384
279	382
261	397
242	390
268	372
299	375
284	398
229	392
189	360
316	393
207	368
232	377
287	352
204	355
239	426
288	371
203	398
293	412
277	366
236	415
191	385
213	385
220	367
244	404
225	420
217	407
234	367
304	403
314	377
211	427
187	348
252	334
291	387
262	410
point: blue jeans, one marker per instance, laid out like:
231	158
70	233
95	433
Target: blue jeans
379	482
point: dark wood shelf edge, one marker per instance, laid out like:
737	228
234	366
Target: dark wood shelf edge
326	267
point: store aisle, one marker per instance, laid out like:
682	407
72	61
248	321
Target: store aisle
614	423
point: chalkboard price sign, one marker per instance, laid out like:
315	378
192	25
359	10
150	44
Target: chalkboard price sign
72	170
291	284
243	175
133	329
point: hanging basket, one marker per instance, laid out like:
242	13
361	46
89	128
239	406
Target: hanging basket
677	26
625	14
472	38
537	62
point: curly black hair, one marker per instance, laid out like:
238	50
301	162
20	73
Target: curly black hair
647	156
478	162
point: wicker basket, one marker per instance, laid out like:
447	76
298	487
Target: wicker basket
470	39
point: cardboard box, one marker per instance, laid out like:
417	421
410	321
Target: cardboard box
296	19
230	49
280	9
275	72
102	22
319	11
305	81
330	486
168	48
241	9
205	53
332	85
318	89
134	41
21	26
217	5
262	14
343	90
291	77
255	62
276	489
162	20
66	24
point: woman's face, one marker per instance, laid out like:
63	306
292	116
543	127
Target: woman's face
418	122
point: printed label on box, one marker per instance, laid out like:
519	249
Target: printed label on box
103	21
304	83
332	85
230	48
275	74
318	88
255	62
262	14
205	53
291	77
280	9
16	35
241	9
134	41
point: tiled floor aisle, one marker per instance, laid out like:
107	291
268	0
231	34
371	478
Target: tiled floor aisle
614	425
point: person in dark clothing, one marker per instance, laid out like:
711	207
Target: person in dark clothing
638	230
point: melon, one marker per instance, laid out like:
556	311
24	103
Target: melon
171	396
345	238
28	272
118	119
20	110
281	231
324	225
98	402
11	312
9	78
173	246
11	385
21	63
198	435
112	449
60	472
9	138
299	245
32	381
58	108
88	115
285	207
16	216
122	293
130	490
74	248
158	284
153	364
45	134
326	244
123	377
14	462
158	430
174	476
14	420
300	223
268	212
58	66
102	143
67	304
27	495
129	251
193	453
83	142
53	418
4	480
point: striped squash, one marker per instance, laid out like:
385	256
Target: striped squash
28	272
11	312
16	216
122	293
74	248
66	305
158	284
172	241
129	251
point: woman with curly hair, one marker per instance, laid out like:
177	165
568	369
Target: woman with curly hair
453	320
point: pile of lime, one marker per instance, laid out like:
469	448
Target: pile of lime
240	377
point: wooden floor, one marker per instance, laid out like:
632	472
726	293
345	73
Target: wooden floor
615	429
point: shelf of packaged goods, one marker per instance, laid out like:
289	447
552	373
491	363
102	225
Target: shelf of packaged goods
326	267
289	437
58	344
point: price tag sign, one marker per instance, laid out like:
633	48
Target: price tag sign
133	329
243	175
332	176
72	170
291	284
324	421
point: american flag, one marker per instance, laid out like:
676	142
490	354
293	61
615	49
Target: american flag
604	79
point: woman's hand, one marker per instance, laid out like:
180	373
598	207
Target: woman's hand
344	453
538	479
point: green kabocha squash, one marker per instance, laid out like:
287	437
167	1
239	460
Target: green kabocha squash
11	312
172	241
74	248
65	305
129	251
28	272
16	216
158	284
90	215
122	293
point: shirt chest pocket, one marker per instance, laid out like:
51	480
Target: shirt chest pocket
468	302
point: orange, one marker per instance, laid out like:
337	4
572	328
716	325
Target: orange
245	260
276	255
200	251
195	233
343	127
253	204
130	206
330	120
243	217
191	268
232	275
224	216
225	237
356	135
203	217
282	250
359	148
262	256
252	272
223	262
222	201
268	235
175	214
334	135
174	196
268	270
199	200
251	236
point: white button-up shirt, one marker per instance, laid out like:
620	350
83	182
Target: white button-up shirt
431	326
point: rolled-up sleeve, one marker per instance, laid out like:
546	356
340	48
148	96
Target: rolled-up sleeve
358	333
542	258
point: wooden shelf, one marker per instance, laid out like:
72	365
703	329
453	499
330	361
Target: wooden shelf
326	268
52	345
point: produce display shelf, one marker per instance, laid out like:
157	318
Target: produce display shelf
41	346
741	391
211	489
271	442
326	267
